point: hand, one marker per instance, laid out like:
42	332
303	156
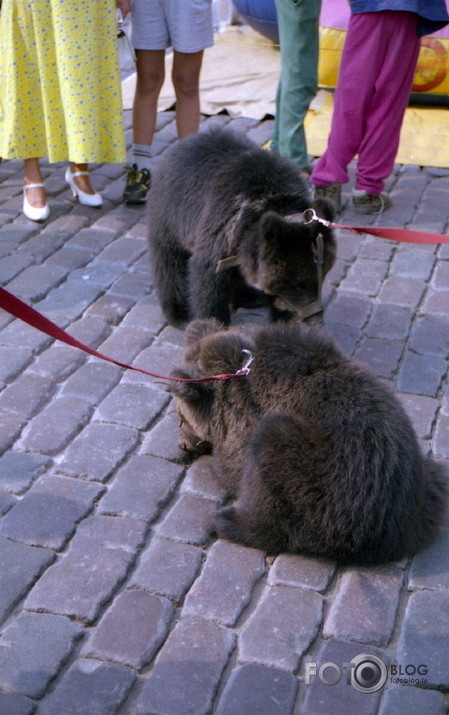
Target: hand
124	6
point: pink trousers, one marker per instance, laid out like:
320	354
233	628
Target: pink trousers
376	76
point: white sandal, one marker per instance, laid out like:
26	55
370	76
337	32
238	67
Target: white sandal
83	197
34	213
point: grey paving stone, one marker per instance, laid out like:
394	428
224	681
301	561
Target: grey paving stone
191	661
76	585
440	278
189	520
413	262
20	567
89	688
342	697
226	583
422	411
424	637
421	374
380	355
125	250
92	381
301	571
430	568
13	361
69	224
162	439
348	309
58	362
131	285
53	428
132	405
441	441
19	333
199	480
160	358
436	301
103	273
412	701
70	258
97	451
389	321
110	308
10	428
131	630
125	343
346	336
147	312
167	567
430	335
7	501
69	301
141	488
256	689
365	276
18	470
12	265
67	500
32	650
36	281
365	606
11	704
281	628
27	395
402	291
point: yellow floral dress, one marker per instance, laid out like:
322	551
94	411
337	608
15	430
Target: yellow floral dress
60	94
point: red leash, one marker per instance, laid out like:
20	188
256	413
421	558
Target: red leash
397	234
22	311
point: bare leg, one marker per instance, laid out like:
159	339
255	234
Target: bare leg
186	81
150	78
32	175
82	182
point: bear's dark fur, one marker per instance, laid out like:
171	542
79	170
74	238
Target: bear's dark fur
217	195
318	454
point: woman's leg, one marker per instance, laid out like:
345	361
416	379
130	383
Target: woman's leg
186	81
32	175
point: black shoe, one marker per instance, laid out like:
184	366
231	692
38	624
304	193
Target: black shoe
137	184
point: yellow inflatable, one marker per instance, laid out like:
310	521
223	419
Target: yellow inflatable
432	71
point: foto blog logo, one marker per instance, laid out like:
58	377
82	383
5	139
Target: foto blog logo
366	672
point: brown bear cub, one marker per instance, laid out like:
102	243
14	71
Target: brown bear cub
318	454
227	230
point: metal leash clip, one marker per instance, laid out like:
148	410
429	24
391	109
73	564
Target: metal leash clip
245	369
315	217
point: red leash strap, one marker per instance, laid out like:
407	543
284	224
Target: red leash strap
397	234
22	311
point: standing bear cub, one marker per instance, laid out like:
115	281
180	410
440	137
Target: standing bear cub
227	230
318	454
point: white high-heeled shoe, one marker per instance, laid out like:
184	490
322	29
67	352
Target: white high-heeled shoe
84	198
34	213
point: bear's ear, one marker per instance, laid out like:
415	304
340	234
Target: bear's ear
191	392
223	353
196	331
324	208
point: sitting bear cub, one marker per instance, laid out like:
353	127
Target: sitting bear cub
227	229
318	454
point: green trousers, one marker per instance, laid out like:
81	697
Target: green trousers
298	35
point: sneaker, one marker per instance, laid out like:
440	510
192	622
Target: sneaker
137	184
331	191
365	203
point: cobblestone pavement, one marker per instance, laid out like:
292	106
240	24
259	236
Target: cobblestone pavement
114	598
